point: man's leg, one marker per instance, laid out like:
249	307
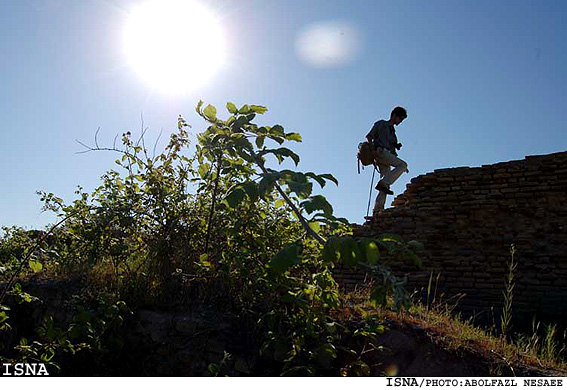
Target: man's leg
400	166
381	198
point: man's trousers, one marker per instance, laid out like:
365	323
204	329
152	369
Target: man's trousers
385	160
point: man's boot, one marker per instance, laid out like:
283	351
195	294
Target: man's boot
384	188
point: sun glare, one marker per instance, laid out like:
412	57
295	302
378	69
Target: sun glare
328	44
174	45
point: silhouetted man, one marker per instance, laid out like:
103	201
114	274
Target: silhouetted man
383	137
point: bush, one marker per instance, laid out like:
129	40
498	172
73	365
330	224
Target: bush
248	236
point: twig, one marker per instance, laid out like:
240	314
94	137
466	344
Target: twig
142	130
155	144
113	149
95	137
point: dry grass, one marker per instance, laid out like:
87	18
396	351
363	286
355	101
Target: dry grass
453	333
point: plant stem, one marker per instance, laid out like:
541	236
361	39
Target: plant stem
506	318
211	213
304	223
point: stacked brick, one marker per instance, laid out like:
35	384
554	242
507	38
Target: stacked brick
467	219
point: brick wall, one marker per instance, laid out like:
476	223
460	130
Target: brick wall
467	218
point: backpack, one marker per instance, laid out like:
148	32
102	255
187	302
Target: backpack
365	154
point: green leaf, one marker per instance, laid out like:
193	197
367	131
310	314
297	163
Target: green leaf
231	108
203	259
280	153
315	226
390	246
378	296
372	252
318	179
279	140
416	245
210	113
246	156
332	250
260	141
240	140
349	251
235	197
213	369
35	266
198	108
330	177
47	356
239	123
279	203
204	169
251	189
326	353
258	109
22	297
266	185
54	368
317	202
331	327
285	258
359	368
303	190
3	317
293	137
245	109
288	153
415	259
391	237
277	130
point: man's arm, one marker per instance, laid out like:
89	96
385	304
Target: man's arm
371	134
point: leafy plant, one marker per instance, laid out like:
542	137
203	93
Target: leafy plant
508	293
94	330
235	225
300	273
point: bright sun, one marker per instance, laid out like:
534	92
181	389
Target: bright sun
175	45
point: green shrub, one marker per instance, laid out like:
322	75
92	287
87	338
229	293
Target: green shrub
225	225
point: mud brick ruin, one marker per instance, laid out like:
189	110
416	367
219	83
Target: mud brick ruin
467	219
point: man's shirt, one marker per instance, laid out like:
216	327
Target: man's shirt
383	135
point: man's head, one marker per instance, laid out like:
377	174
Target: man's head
398	115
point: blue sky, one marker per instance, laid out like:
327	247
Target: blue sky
482	81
